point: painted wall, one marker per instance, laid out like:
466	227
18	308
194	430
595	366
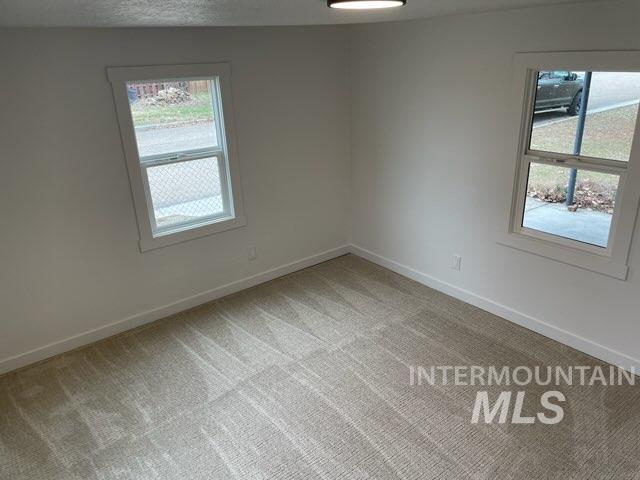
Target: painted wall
433	167
69	256
427	150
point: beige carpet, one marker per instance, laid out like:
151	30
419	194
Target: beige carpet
307	377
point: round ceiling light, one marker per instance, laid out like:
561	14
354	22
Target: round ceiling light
365	4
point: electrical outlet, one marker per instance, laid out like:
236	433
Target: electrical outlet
251	253
456	262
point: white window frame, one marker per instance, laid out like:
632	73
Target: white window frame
612	260
226	153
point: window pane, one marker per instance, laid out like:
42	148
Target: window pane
611	115
610	122
587	220
185	192
171	117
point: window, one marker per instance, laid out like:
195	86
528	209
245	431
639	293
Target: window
176	124
576	188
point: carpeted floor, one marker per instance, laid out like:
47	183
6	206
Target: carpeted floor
307	377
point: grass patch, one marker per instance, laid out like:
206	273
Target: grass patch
197	109
607	134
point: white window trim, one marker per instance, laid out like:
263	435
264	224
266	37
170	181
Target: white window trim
234	218
612	261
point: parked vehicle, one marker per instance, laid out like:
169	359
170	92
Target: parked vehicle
559	89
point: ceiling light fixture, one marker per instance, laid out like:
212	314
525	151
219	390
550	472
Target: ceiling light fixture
365	4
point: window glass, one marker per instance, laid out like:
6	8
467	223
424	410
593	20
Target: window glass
612	108
587	219
557	100
185	192
611	115
179	151
172	116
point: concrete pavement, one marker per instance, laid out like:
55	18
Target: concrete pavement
582	225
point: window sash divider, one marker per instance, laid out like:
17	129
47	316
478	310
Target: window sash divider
165	159
577	161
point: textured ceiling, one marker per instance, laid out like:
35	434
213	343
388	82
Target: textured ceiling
228	12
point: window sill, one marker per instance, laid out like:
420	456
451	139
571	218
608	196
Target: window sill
602	264
171	238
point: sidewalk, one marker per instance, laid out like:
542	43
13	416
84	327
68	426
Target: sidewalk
582	225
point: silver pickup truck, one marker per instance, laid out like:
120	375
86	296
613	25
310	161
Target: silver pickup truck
559	89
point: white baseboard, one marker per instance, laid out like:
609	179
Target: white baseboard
563	336
85	338
571	339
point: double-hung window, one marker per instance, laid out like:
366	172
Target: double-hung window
176	124
577	182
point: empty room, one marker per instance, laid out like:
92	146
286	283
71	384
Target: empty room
320	239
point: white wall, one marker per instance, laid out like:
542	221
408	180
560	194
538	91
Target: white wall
69	258
431	172
433	167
